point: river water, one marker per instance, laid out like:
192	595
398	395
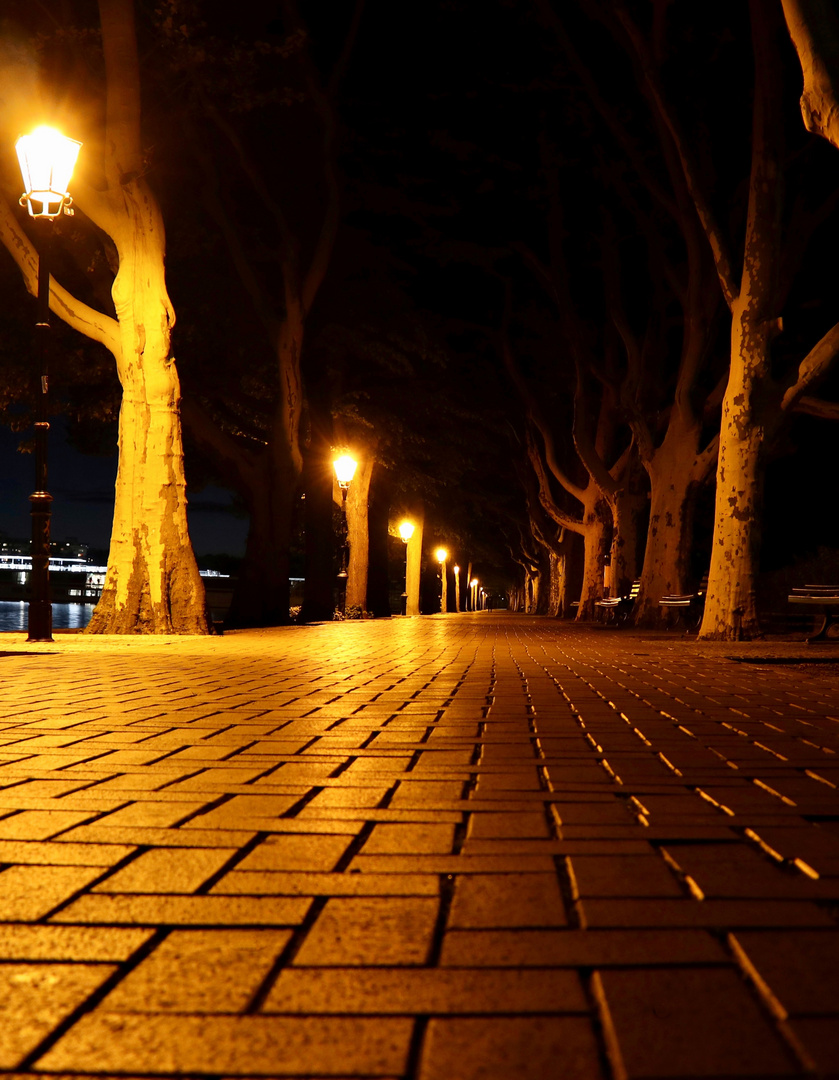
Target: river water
13	616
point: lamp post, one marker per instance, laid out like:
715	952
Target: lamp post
473	586
456	569
406	531
345	467
442	555
46	160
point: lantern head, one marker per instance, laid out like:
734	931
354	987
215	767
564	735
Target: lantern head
345	467
441	554
406	530
47	159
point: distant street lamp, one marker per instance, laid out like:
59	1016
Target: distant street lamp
46	160
406	531
442	555
473	586
456	569
345	467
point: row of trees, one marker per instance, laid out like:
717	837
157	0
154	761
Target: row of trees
705	234
542	291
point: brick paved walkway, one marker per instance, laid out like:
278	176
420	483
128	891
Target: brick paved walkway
478	846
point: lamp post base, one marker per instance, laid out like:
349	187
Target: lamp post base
40	607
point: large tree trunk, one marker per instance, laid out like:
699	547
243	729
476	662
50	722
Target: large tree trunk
731	608
673	489
596	524
628	506
152	584
358	532
413	567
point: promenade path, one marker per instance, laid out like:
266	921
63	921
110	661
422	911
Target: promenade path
473	846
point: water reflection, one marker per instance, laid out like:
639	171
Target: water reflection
13	616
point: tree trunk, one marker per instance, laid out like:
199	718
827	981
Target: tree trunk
673	487
358	534
413	568
628	506
731	608
152	585
596	522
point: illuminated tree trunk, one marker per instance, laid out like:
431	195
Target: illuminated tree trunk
358	533
413	567
731	610
152	584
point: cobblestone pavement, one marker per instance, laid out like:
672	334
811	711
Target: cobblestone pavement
476	846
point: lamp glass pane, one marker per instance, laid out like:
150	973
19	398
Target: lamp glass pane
345	467
47	159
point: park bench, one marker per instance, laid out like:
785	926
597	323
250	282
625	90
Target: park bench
690	606
825	597
619	608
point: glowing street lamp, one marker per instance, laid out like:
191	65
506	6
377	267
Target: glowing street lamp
456	569
406	531
46	160
441	555
344	465
473	585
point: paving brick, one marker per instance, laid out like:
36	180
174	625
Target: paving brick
30	892
398	991
451	864
39	824
199	971
820	1038
540	1048
731	914
531	825
184	910
251	1045
381	931
297	852
160	815
800	966
579	948
166	870
630	875
27	942
688	1022
506	900
36	997
301	883
46	854
410	839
